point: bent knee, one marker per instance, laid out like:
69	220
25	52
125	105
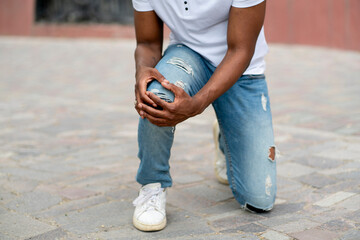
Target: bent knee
259	205
156	88
260	202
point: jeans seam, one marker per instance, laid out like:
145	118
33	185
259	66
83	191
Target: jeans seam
228	154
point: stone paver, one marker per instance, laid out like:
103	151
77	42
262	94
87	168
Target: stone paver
334	198
315	234
272	235
68	145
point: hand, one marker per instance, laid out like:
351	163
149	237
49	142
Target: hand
143	78
173	113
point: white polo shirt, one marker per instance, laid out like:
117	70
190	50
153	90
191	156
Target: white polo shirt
202	26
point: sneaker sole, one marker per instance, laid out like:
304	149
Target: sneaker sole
149	228
217	148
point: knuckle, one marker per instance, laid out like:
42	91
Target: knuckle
171	108
171	117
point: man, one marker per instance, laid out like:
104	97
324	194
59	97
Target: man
216	56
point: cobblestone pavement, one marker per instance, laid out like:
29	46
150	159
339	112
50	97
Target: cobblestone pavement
68	148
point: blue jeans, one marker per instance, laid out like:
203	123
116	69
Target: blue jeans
246	133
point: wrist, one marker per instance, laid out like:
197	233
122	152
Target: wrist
200	104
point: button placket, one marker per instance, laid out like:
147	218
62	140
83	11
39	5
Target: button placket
186	7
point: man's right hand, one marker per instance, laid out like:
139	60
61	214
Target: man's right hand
143	77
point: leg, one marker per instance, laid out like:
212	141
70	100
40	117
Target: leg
185	68
246	137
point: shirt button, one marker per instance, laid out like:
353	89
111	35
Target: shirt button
186	9
185	2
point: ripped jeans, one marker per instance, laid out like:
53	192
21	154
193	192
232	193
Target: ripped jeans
246	133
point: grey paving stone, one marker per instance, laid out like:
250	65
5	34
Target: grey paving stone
293	170
29	173
349	175
2	210
352	203
32	202
175	215
251	228
315	234
212	194
69	206
344	185
21	227
342	154
73	193
354	216
287	185
188	202
319	162
272	235
19	185
54	165
317	180
6	196
54	234
187	178
328	214
296	226
222	236
110	214
351	235
123	193
280	220
337	225
230	205
284	208
193	228
334	199
6	237
234	222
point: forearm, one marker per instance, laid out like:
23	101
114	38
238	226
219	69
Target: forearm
226	74
147	55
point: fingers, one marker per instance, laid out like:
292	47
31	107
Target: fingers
157	100
157	121
172	87
141	97
144	98
158	76
152	111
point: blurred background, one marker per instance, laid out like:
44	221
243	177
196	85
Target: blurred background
331	23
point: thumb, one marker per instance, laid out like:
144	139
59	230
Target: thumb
171	87
158	76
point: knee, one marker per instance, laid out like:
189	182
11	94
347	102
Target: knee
259	205
164	94
256	201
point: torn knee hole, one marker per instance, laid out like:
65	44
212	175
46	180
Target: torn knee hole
161	95
272	153
180	63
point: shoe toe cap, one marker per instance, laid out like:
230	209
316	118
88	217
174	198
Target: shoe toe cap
151	217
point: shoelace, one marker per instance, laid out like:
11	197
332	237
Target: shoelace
146	195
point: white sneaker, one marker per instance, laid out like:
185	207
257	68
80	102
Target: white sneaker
150	214
220	161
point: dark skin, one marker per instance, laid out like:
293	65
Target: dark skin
243	29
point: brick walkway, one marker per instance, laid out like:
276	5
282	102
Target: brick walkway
68	148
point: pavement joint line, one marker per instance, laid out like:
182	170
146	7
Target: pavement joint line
224	215
334	199
315	132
